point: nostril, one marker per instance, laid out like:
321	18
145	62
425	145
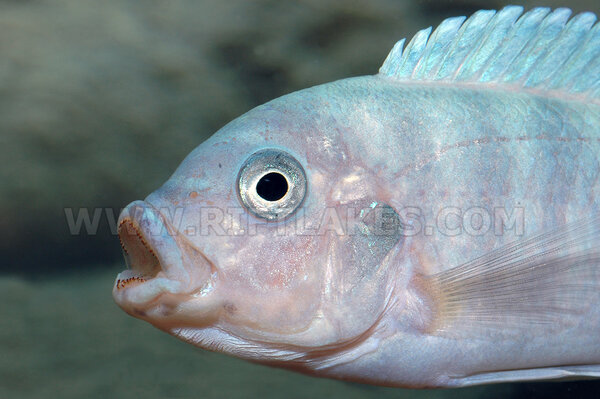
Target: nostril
139	255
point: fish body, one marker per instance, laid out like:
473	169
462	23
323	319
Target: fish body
437	224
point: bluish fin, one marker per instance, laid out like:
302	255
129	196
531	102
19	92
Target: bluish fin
541	41
470	35
493	35
442	38
514	43
565	44
414	51
551	278
588	75
539	50
564	373
582	58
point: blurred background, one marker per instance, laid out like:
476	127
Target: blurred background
99	103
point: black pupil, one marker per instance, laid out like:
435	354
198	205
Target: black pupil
272	186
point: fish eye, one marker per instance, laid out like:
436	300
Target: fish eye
271	184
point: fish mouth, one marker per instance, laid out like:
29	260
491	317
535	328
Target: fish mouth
156	256
142	262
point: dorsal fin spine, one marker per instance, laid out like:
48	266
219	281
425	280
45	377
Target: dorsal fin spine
566	46
540	50
416	48
515	43
551	28
442	38
467	33
497	27
581	57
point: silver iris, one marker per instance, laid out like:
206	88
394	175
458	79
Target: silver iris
271	184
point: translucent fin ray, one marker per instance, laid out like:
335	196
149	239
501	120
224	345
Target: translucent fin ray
564	373
548	279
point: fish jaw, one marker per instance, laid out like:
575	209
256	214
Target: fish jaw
159	262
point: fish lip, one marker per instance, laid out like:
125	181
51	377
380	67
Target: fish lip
155	260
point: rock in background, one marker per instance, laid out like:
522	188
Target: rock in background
100	101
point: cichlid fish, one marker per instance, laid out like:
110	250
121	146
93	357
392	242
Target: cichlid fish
434	225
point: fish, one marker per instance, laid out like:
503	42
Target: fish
436	224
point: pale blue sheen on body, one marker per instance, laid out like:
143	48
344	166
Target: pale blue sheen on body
434	146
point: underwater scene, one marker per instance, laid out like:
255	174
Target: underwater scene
100	102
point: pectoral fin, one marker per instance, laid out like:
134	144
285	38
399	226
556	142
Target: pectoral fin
551	278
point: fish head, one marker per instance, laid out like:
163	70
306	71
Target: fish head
260	244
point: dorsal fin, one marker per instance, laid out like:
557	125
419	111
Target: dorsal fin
539	50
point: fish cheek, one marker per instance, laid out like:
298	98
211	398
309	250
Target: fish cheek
361	258
277	286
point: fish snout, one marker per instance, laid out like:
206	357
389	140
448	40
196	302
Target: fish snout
153	257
